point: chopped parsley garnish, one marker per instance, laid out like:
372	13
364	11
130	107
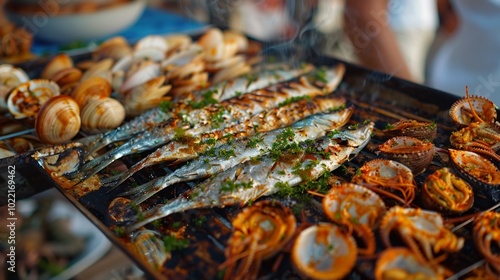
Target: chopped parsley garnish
166	106
231	186
172	243
389	126
320	75
200	221
210	141
291	100
226	153
217	118
254	140
250	79
284	143
208	99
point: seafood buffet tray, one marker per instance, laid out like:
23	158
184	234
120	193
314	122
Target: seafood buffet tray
376	96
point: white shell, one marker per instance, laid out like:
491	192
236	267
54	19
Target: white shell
10	77
143	75
25	100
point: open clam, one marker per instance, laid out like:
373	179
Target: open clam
421	230
424	131
323	251
146	96
410	151
385	177
469	108
10	77
25	100
487	239
482	138
445	192
259	232
399	263
58	120
357	208
475	168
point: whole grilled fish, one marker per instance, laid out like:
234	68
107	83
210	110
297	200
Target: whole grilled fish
198	99
241	150
260	177
218	116
186	149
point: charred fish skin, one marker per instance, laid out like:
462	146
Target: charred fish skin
187	149
219	92
261	177
220	115
241	150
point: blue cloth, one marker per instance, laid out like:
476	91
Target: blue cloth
151	22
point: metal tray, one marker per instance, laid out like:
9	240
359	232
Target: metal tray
376	96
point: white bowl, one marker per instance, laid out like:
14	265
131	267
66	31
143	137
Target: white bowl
80	26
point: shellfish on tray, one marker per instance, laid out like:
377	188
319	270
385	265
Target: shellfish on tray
384	177
10	77
445	192
358	208
58	120
487	239
149	247
399	263
475	168
25	100
410	151
471	109
323	251
259	232
424	131
421	230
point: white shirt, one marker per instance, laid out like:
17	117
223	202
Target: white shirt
472	55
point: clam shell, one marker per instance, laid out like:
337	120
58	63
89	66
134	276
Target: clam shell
25	100
238	37
445	192
323	251
92	88
460	111
58	120
410	151
148	246
425	131
479	171
67	76
114	48
4	153
99	69
402	262
178	42
56	64
351	203
145	96
152	42
381	175
10	77
99	115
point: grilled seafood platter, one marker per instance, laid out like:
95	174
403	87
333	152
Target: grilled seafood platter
190	153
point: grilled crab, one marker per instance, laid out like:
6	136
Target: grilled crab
487	239
260	231
357	208
421	230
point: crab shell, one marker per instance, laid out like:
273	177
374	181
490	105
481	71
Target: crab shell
422	231
323	251
445	192
460	111
259	232
58	120
25	100
350	203
410	151
381	175
424	131
487	236
149	247
475	168
401	263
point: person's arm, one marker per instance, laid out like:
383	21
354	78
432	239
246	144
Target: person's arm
366	24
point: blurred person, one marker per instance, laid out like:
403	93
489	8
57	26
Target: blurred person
469	56
391	36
